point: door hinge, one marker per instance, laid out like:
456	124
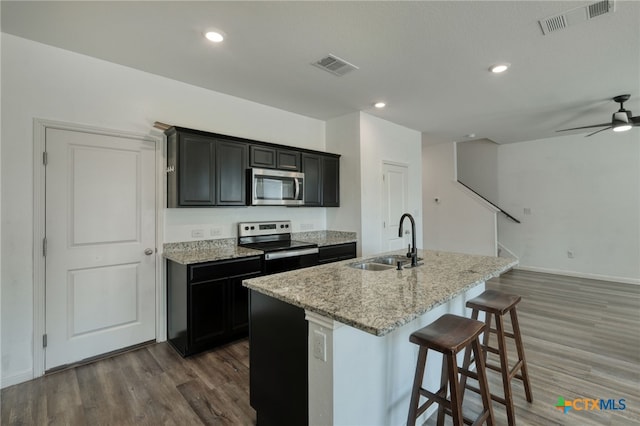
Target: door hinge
45	158
44	340
384	224
44	246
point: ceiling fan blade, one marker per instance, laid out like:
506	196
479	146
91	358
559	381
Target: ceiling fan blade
635	120
598	131
585	127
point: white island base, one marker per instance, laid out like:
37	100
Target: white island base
367	379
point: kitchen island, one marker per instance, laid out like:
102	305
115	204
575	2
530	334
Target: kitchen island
329	345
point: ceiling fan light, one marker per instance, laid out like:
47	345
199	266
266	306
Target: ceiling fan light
620	121
622	127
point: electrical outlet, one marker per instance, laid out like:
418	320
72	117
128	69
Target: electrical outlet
197	233
320	345
216	231
527	211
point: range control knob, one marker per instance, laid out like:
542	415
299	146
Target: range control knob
253	227
246	228
286	226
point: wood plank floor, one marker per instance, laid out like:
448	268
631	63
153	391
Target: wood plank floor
581	337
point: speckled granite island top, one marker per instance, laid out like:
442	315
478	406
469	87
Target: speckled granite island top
380	301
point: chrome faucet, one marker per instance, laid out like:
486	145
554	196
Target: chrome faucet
412	251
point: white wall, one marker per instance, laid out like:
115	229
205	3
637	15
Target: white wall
458	221
477	167
343	137
584	197
40	81
382	140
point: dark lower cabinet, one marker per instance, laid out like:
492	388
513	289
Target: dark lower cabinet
278	362
207	304
336	253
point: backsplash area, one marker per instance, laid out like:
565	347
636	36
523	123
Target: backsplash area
193	224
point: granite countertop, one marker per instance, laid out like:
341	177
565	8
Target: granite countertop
325	238
206	251
378	302
190	252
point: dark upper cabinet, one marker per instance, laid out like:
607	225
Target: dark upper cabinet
231	166
209	170
330	182
205	171
191	178
274	158
321	180
312	185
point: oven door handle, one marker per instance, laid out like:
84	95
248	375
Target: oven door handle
290	253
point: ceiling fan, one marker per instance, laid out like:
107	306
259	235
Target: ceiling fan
620	121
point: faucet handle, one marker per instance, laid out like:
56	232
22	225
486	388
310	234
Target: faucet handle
409	252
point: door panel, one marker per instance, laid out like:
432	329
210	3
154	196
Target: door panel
100	218
396	188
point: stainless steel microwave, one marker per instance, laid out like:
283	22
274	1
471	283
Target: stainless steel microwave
276	187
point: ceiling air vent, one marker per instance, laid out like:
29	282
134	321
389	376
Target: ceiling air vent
334	65
599	8
576	15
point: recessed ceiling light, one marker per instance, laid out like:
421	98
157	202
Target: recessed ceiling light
470	135
214	36
379	105
498	68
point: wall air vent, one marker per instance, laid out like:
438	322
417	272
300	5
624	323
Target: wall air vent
334	65
576	15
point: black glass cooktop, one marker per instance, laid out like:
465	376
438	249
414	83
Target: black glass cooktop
278	245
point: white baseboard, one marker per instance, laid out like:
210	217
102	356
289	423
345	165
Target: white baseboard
14	379
509	252
625	280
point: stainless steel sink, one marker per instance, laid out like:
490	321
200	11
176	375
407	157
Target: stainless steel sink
370	266
383	263
392	259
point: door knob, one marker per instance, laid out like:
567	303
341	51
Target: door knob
148	252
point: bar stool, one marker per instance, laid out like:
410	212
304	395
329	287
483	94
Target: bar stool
448	335
496	304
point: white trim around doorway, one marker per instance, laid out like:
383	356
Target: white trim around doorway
39	181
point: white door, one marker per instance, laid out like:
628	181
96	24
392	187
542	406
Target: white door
395	204
100	220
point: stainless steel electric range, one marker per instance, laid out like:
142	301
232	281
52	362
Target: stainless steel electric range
281	253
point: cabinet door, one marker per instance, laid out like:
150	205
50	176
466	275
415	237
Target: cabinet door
336	253
312	179
288	160
196	171
239	305
330	182
262	156
231	171
208	312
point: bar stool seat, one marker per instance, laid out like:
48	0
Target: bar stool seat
449	335
496	305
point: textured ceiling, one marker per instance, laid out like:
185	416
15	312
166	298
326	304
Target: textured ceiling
427	60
